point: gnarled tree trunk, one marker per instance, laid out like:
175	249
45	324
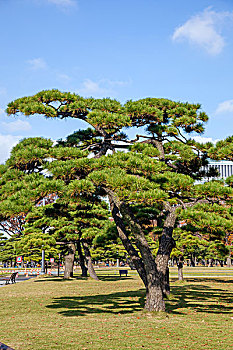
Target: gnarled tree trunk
166	244
90	267
81	259
69	260
123	234
154	297
153	273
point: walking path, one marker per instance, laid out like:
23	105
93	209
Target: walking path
18	279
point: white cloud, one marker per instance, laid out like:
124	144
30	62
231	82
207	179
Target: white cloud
6	144
17	125
37	63
63	3
202	139
115	82
202	30
225	107
100	88
64	78
92	88
3	91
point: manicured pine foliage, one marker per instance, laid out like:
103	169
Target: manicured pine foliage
158	172
23	187
222	150
74	223
53	213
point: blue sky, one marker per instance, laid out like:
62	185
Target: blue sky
126	49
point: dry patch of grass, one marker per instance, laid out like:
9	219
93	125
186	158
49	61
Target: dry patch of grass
83	314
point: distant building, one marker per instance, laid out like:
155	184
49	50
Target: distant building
224	168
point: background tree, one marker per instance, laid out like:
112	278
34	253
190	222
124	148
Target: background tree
73	223
52	217
22	187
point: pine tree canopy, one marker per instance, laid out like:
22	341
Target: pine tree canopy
153	182
222	150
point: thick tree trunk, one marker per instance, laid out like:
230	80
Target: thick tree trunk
146	266
81	260
154	297
159	145
229	261
166	245
180	272
69	260
180	269
192	262
210	263
221	263
90	267
123	235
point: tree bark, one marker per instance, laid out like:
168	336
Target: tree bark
210	263
123	235
229	261
155	280
221	263
159	145
81	259
90	267
180	272
69	260
192	262
154	297
180	269
166	245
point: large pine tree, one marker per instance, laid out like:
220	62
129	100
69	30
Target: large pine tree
158	172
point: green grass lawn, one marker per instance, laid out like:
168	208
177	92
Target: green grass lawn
49	313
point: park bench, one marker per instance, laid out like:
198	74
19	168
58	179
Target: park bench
123	272
9	279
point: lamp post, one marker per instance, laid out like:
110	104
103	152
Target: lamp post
58	268
43	252
43	262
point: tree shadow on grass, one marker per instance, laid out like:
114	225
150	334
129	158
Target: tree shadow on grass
105	278
208	279
114	303
110	278
191	297
54	279
200	298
